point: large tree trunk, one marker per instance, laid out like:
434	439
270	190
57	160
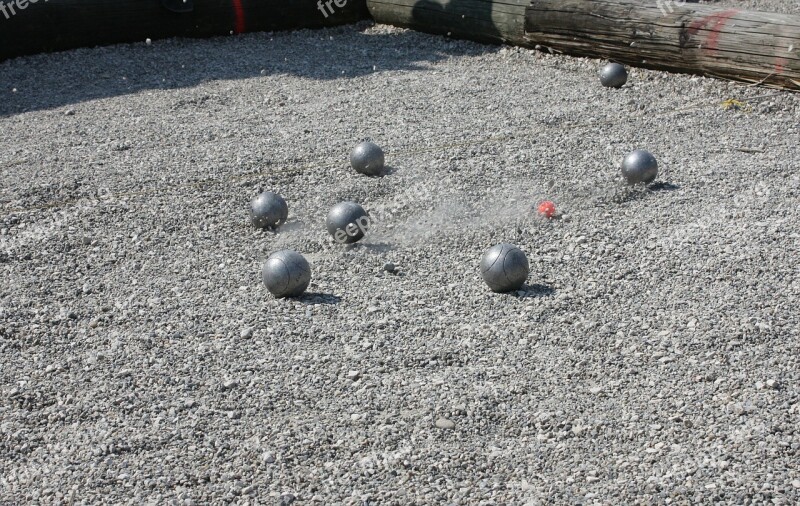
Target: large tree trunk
746	46
493	21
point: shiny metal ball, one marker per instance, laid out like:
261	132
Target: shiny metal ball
613	75
347	222
639	166
286	273
504	267
268	210
367	158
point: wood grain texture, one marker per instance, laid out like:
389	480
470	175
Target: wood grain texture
748	46
498	21
57	25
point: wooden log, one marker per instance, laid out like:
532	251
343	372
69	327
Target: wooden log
54	25
748	46
492	21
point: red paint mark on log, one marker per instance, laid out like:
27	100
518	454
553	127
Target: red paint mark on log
780	64
717	21
238	11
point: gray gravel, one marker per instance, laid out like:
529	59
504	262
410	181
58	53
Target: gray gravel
780	6
652	358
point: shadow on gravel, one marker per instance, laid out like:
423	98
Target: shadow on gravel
663	186
535	291
639	192
47	81
318	298
626	194
388	171
377	247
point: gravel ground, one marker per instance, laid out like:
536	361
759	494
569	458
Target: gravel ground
652	358
780	6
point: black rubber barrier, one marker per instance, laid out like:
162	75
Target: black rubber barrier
35	26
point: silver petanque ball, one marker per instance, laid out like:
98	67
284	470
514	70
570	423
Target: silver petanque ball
613	75
504	267
286	273
347	222
367	158
268	210
639	166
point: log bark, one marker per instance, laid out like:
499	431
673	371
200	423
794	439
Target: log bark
492	21
54	25
748	46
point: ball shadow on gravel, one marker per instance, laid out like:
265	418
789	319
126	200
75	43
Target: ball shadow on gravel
534	291
388	171
661	186
630	194
291	225
376	247
318	298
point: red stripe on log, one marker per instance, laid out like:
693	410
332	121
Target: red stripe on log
780	65
238	10
719	21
